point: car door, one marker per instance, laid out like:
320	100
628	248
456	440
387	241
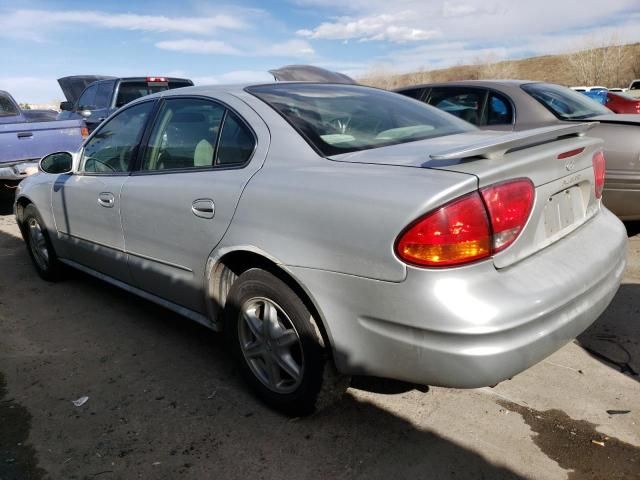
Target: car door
199	157
86	106
86	205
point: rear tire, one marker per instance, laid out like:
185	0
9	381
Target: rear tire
39	246
271	334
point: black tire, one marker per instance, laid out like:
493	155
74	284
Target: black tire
40	250
256	287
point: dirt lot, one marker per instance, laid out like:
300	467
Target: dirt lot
165	401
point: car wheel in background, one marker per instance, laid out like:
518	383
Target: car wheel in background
280	352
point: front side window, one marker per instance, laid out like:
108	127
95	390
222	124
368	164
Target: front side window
565	103
336	119
464	103
88	98
113	147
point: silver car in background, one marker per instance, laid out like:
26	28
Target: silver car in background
337	228
513	105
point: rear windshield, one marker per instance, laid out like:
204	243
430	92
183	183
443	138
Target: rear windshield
565	103
130	91
7	107
337	119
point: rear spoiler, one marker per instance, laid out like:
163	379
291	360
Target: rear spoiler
497	147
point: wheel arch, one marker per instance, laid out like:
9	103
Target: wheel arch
224	269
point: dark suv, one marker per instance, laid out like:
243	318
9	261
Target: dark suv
94	98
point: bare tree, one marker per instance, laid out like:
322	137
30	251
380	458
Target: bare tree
489	68
599	62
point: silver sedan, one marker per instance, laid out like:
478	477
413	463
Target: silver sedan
336	230
519	105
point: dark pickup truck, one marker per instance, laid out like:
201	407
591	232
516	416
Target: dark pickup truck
93	97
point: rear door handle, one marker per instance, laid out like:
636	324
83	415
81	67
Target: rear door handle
106	199
203	208
25	134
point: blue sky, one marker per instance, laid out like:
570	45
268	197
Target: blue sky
226	42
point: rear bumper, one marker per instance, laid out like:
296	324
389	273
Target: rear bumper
472	326
18	171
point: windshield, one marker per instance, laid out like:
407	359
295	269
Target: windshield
564	102
337	119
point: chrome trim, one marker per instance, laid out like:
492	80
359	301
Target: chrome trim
179	309
163	262
139	255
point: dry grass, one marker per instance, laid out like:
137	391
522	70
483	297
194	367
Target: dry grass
548	68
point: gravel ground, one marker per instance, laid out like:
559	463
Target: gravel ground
166	402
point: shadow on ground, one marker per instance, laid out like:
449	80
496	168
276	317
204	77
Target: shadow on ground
6	201
165	400
615	337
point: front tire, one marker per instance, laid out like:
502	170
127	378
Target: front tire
39	246
271	333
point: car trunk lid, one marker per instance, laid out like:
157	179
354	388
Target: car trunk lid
557	159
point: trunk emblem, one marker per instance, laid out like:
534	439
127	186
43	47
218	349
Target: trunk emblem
570	165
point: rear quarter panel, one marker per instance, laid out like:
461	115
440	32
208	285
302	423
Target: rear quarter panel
307	211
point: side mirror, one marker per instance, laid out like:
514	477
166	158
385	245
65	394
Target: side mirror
66	106
85	113
56	163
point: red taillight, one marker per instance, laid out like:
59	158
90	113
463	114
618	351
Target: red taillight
470	228
598	172
84	131
509	205
156	79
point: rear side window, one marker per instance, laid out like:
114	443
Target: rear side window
413	93
464	103
103	94
185	135
195	133
499	111
114	145
87	100
7	107
236	142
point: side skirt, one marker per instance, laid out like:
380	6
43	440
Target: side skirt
179	309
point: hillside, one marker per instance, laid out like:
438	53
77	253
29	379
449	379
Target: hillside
613	66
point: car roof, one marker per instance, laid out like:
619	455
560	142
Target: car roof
239	88
472	83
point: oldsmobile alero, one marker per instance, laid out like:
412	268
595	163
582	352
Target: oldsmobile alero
337	228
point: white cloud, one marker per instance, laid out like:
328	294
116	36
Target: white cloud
236	76
457	9
190	45
376	27
295	48
34	20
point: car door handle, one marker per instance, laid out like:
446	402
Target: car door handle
25	134
203	208
106	199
